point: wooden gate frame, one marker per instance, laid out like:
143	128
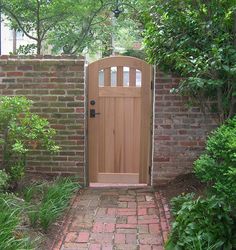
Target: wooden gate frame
147	109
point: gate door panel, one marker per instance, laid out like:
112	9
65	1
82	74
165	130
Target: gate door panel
119	111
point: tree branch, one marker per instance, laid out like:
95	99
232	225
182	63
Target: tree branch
89	25
19	23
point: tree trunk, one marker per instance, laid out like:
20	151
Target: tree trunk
14	41
39	45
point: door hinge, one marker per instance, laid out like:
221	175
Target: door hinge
152	85
150	170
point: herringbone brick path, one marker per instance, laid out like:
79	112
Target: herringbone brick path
115	219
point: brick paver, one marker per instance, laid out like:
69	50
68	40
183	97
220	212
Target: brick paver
116	219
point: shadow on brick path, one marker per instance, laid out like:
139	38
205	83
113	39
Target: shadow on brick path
116	219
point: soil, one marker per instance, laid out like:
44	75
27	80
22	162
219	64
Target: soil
182	184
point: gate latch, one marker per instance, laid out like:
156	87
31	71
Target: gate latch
93	113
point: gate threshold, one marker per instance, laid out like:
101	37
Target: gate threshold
95	185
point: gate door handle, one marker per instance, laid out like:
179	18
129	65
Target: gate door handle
93	113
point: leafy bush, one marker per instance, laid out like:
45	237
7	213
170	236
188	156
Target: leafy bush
4	179
201	224
10	238
218	164
196	40
22	131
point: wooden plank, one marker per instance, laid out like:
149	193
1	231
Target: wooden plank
119	135
93	79
137	133
101	136
107	77
119	92
132	77
145	123
119	178
109	135
120	76
129	136
123	61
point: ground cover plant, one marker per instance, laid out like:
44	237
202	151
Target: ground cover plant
209	222
10	235
46	202
25	217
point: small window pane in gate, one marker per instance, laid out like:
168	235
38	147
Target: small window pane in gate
138	78
126	77
113	76
101	78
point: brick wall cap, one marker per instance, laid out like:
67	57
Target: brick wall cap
41	57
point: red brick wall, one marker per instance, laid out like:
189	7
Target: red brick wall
56	85
179	131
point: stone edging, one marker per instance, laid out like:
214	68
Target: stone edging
58	241
164	213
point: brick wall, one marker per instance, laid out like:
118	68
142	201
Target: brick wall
56	85
179	131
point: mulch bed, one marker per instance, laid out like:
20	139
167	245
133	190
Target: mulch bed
182	184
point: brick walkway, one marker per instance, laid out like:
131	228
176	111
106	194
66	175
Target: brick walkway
115	219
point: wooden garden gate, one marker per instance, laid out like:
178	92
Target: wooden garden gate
119	123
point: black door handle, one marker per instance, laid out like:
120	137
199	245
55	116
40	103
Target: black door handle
93	113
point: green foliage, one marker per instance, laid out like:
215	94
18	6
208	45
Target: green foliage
28	49
46	202
196	40
201	224
94	30
135	53
33	190
4	180
55	201
22	131
72	26
218	164
36	18
10	238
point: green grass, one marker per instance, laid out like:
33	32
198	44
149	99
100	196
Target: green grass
55	200
10	237
43	203
46	202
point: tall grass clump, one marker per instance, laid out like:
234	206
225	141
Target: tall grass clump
54	199
10	236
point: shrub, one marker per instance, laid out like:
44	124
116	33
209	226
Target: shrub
22	131
217	165
201	224
4	179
